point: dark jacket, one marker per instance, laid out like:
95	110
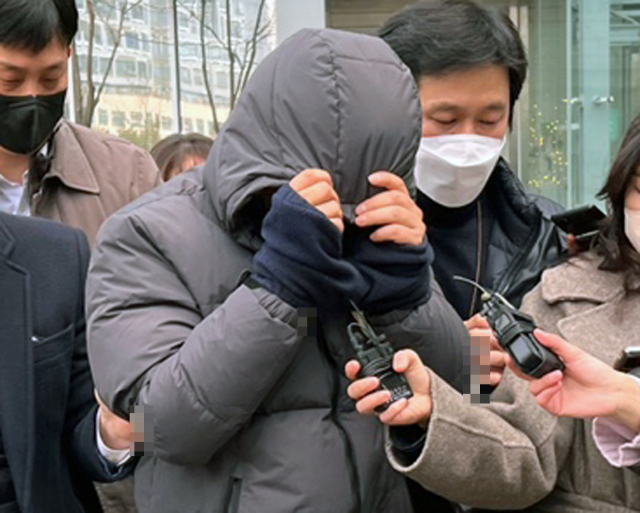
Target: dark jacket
503	240
250	411
48	412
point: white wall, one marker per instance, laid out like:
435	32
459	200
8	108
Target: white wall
293	15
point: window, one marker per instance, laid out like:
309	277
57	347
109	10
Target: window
183	21
211	129
198	77
82	64
136	118
132	41
126	69
83	33
138	13
200	123
143	70
167	123
222	80
118	119
98	35
103	117
188	124
185	76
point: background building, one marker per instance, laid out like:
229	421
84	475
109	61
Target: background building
144	69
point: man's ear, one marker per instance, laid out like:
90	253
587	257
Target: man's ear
70	51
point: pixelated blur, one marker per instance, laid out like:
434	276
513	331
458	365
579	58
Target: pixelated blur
141	419
307	322
477	367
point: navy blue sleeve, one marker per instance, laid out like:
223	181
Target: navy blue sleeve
80	417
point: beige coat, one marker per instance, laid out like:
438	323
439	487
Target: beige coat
513	455
92	175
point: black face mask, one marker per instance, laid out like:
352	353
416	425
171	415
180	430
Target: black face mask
26	122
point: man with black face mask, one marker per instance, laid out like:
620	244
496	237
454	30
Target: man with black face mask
48	167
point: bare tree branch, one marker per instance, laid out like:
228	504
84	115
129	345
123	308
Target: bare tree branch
254	46
232	88
205	70
88	103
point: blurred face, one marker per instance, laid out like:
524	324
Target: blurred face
632	211
632	197
23	73
474	101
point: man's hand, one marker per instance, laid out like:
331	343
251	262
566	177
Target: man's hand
116	433
479	330
393	210
316	187
587	388
416	410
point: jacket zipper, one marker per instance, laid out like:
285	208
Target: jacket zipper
354	478
478	260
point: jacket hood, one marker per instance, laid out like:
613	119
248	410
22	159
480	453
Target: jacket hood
324	99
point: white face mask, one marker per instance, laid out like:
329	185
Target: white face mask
632	227
453	169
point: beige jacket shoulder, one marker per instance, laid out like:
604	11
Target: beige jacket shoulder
91	176
513	455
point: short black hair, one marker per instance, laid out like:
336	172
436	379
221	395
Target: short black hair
444	36
33	24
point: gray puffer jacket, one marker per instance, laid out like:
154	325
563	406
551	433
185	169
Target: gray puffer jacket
248	415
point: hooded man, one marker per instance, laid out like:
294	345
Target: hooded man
307	187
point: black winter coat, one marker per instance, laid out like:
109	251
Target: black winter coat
48	410
503	240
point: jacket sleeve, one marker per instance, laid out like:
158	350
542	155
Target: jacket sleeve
505	455
510	450
80	416
200	378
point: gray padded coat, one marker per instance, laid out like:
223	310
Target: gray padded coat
248	415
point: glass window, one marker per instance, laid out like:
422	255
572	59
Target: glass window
138	13
222	80
136	118
126	68
103	117
143	70
198	77
118	119
200	123
132	41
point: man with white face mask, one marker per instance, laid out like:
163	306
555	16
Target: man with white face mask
470	64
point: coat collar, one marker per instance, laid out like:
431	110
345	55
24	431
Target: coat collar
70	164
599	316
579	279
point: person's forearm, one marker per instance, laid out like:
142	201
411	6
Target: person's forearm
627	411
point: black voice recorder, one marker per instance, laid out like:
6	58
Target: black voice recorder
514	331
